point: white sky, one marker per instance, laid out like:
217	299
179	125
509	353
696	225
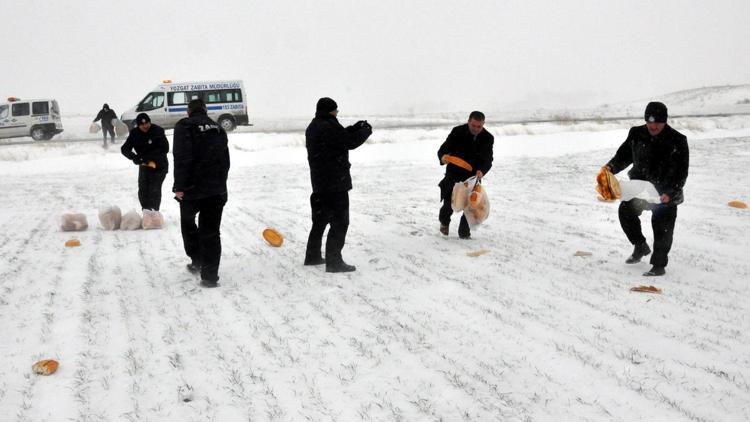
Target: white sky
374	57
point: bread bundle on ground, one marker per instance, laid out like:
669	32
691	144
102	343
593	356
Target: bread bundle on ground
273	237
73	222
110	217
152	220
131	221
72	243
45	367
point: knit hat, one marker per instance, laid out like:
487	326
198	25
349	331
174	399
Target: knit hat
656	112
326	105
142	118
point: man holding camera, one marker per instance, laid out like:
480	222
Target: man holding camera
328	144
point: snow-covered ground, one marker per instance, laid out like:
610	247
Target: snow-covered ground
421	331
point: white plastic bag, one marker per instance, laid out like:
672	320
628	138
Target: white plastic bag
131	221
94	128
460	194
152	220
478	208
640	189
121	129
73	222
110	217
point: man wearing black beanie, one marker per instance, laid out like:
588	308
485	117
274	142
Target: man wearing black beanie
659	154
328	144
147	147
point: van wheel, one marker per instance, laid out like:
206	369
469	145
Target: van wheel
48	136
227	123
38	133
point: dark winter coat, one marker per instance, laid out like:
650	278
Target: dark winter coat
149	146
106	116
201	157
328	144
476	150
662	160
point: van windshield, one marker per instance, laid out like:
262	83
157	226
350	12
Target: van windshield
152	101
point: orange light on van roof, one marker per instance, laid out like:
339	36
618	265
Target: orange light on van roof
167	81
11	99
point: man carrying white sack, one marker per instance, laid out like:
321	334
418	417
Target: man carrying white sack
659	155
472	144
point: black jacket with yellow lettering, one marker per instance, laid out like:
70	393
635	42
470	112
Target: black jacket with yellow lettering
201	157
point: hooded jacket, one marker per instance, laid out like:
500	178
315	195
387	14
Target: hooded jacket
106	115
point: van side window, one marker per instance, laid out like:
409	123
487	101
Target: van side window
194	95
224	96
177	98
4	111
20	109
55	107
41	107
152	101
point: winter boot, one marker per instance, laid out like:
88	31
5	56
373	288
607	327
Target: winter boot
209	284
194	267
655	272
444	229
314	260
340	267
639	252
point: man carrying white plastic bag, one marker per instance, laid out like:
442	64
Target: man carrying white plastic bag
466	152
471	198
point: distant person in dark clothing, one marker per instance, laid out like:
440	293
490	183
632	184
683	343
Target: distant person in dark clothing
201	166
659	154
151	148
328	144
472	143
106	115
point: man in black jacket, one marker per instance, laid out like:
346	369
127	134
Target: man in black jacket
473	144
106	115
659	155
151	148
328	144
201	166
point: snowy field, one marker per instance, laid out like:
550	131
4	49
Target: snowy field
420	332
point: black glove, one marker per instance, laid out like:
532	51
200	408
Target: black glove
366	125
137	161
358	125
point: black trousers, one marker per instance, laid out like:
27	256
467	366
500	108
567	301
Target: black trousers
203	242
149	187
662	221
111	131
333	209
446	190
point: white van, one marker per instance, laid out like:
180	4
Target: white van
167	103
39	119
